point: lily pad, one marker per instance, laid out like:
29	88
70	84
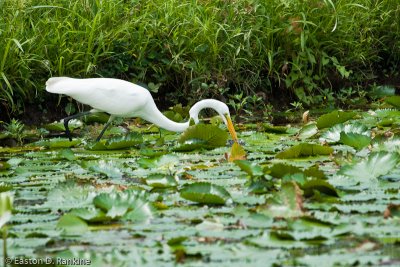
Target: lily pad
58	143
304	150
358	141
286	203
393	100
308	131
91	214
251	168
377	164
121	142
99	117
72	225
203	135
58	126
320	185
333	118
333	134
130	205
101	166
4	166
159	180
205	193
274	129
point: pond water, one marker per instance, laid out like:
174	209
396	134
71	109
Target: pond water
293	202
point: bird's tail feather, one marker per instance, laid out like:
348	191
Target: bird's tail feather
53	84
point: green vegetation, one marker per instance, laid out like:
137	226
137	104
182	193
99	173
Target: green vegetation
326	191
200	48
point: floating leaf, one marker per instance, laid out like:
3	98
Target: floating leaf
101	166
130	205
286	203
250	168
90	214
280	169
333	118
66	154
148	152
211	136
237	152
59	126
58	143
358	141
377	164
99	117
126	141
274	129
393	100
120	142
320	185
304	150
4	166
159	180
205	193
72	225
308	131
333	134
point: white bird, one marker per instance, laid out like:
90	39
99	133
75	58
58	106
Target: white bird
121	98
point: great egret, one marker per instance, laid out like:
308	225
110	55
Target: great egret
123	99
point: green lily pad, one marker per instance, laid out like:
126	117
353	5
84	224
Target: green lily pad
320	185
304	150
308	131
130	205
91	214
333	134
159	180
148	152
251	168
280	169
377	164
58	143
120	142
358	141
393	100
4	166
274	129
100	117
205	193
333	118
101	166
165	162
72	225
58	126
286	203
202	136
67	154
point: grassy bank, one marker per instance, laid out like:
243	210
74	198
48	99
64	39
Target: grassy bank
192	49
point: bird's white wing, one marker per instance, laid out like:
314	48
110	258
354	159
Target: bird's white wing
114	96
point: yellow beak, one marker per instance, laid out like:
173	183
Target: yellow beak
231	129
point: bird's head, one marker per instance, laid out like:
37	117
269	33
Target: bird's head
220	107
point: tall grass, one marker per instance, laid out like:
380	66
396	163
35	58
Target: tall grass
244	45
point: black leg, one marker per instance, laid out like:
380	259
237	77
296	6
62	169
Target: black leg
105	127
67	119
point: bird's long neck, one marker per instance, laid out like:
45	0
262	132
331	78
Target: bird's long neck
154	115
